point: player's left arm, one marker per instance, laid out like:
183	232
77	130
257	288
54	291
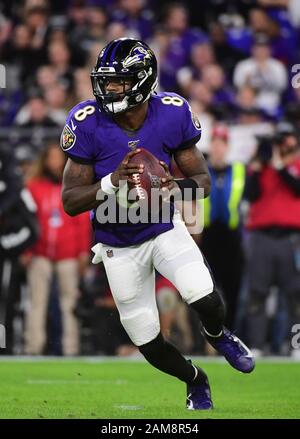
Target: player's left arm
193	165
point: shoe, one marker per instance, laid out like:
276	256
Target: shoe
234	350
198	397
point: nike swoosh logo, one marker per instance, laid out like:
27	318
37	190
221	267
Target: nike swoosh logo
73	126
249	353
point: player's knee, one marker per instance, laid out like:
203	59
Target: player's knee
193	282
141	327
126	297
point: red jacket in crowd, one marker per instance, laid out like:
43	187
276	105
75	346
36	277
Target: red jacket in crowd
61	236
278	204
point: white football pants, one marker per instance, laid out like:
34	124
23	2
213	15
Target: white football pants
131	276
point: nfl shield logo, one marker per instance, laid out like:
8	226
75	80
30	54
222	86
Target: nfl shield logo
133	144
109	253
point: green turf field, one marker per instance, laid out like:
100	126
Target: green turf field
120	389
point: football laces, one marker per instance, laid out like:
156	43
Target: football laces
138	187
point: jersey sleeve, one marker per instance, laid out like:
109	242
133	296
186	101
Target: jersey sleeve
190	128
77	140
183	127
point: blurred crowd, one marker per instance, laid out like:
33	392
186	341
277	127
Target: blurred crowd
236	62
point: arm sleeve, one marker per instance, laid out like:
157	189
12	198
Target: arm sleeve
292	181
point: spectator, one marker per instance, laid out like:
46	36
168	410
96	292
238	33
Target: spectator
36	18
214	79
221	237
34	123
265	74
46	77
62	248
86	26
201	95
134	15
226	55
95	28
116	30
59	58
181	42
273	23
246	97
160	44
56	99
35	113
22	56
82	85
26	159
77	15
201	55
276	25
273	190
18	231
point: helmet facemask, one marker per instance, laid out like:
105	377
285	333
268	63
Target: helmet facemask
112	102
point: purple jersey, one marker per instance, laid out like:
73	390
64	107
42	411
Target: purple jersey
92	137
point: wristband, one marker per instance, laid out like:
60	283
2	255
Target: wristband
187	183
106	185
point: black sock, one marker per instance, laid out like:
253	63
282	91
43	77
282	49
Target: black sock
165	357
211	310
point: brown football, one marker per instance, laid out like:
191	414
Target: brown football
150	178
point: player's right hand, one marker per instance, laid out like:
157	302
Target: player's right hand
125	169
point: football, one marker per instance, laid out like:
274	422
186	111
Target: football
149	179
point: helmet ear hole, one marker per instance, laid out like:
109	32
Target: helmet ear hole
141	74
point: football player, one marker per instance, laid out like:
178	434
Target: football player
99	138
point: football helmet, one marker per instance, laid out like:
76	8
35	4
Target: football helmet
127	61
